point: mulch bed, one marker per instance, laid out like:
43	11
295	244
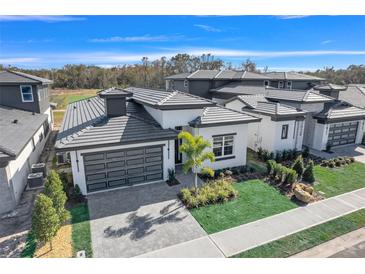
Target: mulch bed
173	182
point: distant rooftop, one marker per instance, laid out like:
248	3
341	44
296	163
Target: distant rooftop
355	95
17	77
168	100
236	88
241	75
329	87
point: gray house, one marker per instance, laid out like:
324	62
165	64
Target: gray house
25	123
225	84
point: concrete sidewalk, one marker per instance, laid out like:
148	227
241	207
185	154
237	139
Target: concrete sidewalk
238	239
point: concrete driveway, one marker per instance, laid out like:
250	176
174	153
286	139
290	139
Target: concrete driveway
137	220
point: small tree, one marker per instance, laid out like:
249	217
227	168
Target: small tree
291	176
270	166
54	190
308	174
298	165
45	221
194	148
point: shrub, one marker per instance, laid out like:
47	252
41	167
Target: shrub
259	153
338	162
308	174
270	165
172	174
305	152
278	157
328	147
298	165
53	188
271	156
324	163
216	192
291	154
45	220
227	172
352	159
265	155
291	176
331	164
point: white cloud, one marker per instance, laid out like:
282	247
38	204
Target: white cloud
47	19
288	17
18	60
207	28
325	42
143	38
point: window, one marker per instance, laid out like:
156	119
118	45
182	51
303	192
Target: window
27	93
289	85
284	131
186	83
281	84
223	145
266	83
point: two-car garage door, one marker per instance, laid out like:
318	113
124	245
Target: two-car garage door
342	133
117	168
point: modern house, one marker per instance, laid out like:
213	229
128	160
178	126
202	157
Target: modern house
25	123
122	138
221	85
281	126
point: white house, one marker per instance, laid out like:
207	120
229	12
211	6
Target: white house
128	137
281	127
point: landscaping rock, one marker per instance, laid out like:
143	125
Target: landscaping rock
302	195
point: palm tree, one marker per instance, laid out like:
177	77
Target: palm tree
194	148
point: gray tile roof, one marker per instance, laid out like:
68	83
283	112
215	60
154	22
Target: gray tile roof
236	88
259	104
340	111
290	75
218	75
297	96
180	76
14	136
168	100
329	87
16	77
355	95
85	125
218	115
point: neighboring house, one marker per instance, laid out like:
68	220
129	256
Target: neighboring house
225	84
281	127
328	121
25	123
128	137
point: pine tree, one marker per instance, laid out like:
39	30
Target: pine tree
298	165
308	174
45	221
54	190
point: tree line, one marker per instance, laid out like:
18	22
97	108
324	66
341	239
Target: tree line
151	74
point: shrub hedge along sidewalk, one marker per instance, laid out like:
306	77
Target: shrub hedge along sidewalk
308	238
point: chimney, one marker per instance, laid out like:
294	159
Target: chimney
115	101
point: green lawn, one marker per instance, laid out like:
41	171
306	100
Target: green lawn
335	181
256	200
63	100
309	238
81	237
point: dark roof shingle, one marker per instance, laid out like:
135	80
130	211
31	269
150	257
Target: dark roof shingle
17	77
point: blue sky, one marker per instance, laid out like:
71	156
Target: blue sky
279	42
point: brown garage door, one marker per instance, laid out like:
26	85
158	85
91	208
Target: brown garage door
117	168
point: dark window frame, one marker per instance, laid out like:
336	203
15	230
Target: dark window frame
226	148
284	131
29	93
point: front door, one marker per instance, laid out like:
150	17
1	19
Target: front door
178	142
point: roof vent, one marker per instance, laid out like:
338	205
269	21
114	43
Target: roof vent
75	107
15	121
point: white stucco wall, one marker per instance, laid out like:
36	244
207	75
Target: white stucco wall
50	121
173	118
239	146
77	162
17	171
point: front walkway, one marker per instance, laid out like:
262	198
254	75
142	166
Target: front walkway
356	151
238	239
